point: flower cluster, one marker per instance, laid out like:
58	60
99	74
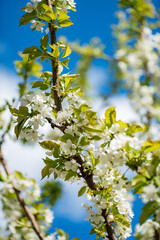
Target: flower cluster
101	147
18	224
147	230
36	108
38	23
140	69
91	151
30	7
63	5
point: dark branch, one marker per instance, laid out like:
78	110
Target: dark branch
54	63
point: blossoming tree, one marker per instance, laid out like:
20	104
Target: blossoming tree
88	150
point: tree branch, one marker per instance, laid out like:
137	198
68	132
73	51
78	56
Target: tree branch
54	63
21	201
88	177
85	174
54	125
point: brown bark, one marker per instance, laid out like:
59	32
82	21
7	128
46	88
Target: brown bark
54	63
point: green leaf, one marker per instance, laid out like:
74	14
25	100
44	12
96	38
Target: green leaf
55	52
23	111
157	180
84	107
31	49
44	42
151	146
45	172
45	17
65	62
60	232
13	111
92	231
138	178
26	18
52	15
149	205
19	126
133	129
19	175
34	52
95	138
65	137
46	7
2	179
123	124
50	162
92	130
40	84
62	16
110	116
50	145
82	191
65	23
67	51
149	211
69	79
83	141
70	174
139	182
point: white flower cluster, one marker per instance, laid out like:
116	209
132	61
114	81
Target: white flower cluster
39	26
63	5
141	71
101	157
117	196
150	193
147	230
13	211
42	105
54	236
30	7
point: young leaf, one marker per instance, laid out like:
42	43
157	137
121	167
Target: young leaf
69	79
110	116
50	145
82	191
26	18
67	51
44	42
65	23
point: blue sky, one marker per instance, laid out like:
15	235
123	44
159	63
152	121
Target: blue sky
92	19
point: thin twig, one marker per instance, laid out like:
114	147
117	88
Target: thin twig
21	201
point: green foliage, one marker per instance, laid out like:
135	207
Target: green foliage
82	191
26	68
110	116
150	146
51	192
27	17
34	52
148	210
138	182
